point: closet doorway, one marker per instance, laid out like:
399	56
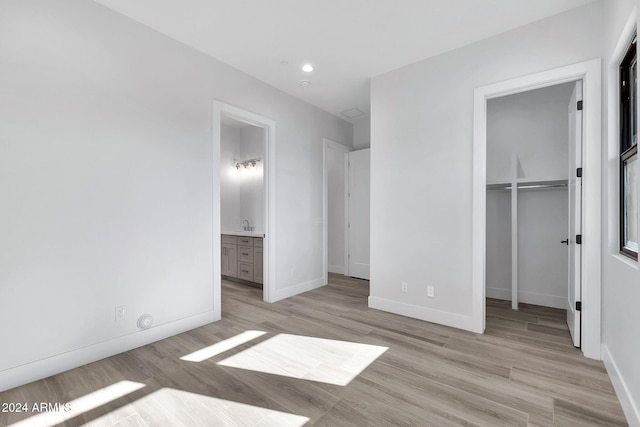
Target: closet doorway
346	210
534	152
336	193
589	72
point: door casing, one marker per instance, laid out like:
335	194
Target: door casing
590	73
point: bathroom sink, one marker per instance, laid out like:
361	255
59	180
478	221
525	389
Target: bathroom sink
243	233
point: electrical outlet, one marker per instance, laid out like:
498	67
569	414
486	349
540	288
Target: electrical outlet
405	287
121	313
430	291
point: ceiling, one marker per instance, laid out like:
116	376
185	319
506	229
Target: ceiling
347	41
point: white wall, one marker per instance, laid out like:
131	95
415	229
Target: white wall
621	278
252	179
498	252
542	259
106	182
362	132
421	160
543	222
230	182
534	125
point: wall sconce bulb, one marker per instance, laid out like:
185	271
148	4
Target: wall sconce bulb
247	163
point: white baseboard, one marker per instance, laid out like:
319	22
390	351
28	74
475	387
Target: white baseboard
544	300
629	406
290	291
23	374
338	269
423	313
498	293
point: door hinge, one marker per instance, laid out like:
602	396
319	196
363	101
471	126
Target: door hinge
579	172
578	305
579	239
579	105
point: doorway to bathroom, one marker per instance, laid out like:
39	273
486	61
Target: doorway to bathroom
243	186
242	202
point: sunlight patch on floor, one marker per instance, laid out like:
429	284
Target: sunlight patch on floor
171	407
80	405
309	358
222	346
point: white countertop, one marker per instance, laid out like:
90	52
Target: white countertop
243	233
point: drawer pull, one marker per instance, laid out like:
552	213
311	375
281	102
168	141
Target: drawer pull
245	271
244	253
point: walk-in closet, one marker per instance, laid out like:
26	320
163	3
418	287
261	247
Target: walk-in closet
529	186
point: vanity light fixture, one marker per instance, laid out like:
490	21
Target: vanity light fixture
247	163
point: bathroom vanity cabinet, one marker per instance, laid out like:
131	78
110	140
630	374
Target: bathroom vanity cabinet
242	257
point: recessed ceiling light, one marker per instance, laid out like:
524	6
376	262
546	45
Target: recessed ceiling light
305	83
284	62
307	68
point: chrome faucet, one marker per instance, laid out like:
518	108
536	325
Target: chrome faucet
246	227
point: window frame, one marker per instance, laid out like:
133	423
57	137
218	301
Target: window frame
628	123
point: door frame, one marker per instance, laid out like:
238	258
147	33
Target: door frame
221	109
574	194
329	144
349	230
590	73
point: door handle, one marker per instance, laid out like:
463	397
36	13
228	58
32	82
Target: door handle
565	242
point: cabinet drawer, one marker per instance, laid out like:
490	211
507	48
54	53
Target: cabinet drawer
245	241
231	240
257	242
245	253
245	271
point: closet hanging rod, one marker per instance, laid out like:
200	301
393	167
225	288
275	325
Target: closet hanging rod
527	186
540	186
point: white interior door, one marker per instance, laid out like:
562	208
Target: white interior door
575	215
358	208
336	176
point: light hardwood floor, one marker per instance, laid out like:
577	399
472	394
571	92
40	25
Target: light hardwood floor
523	371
